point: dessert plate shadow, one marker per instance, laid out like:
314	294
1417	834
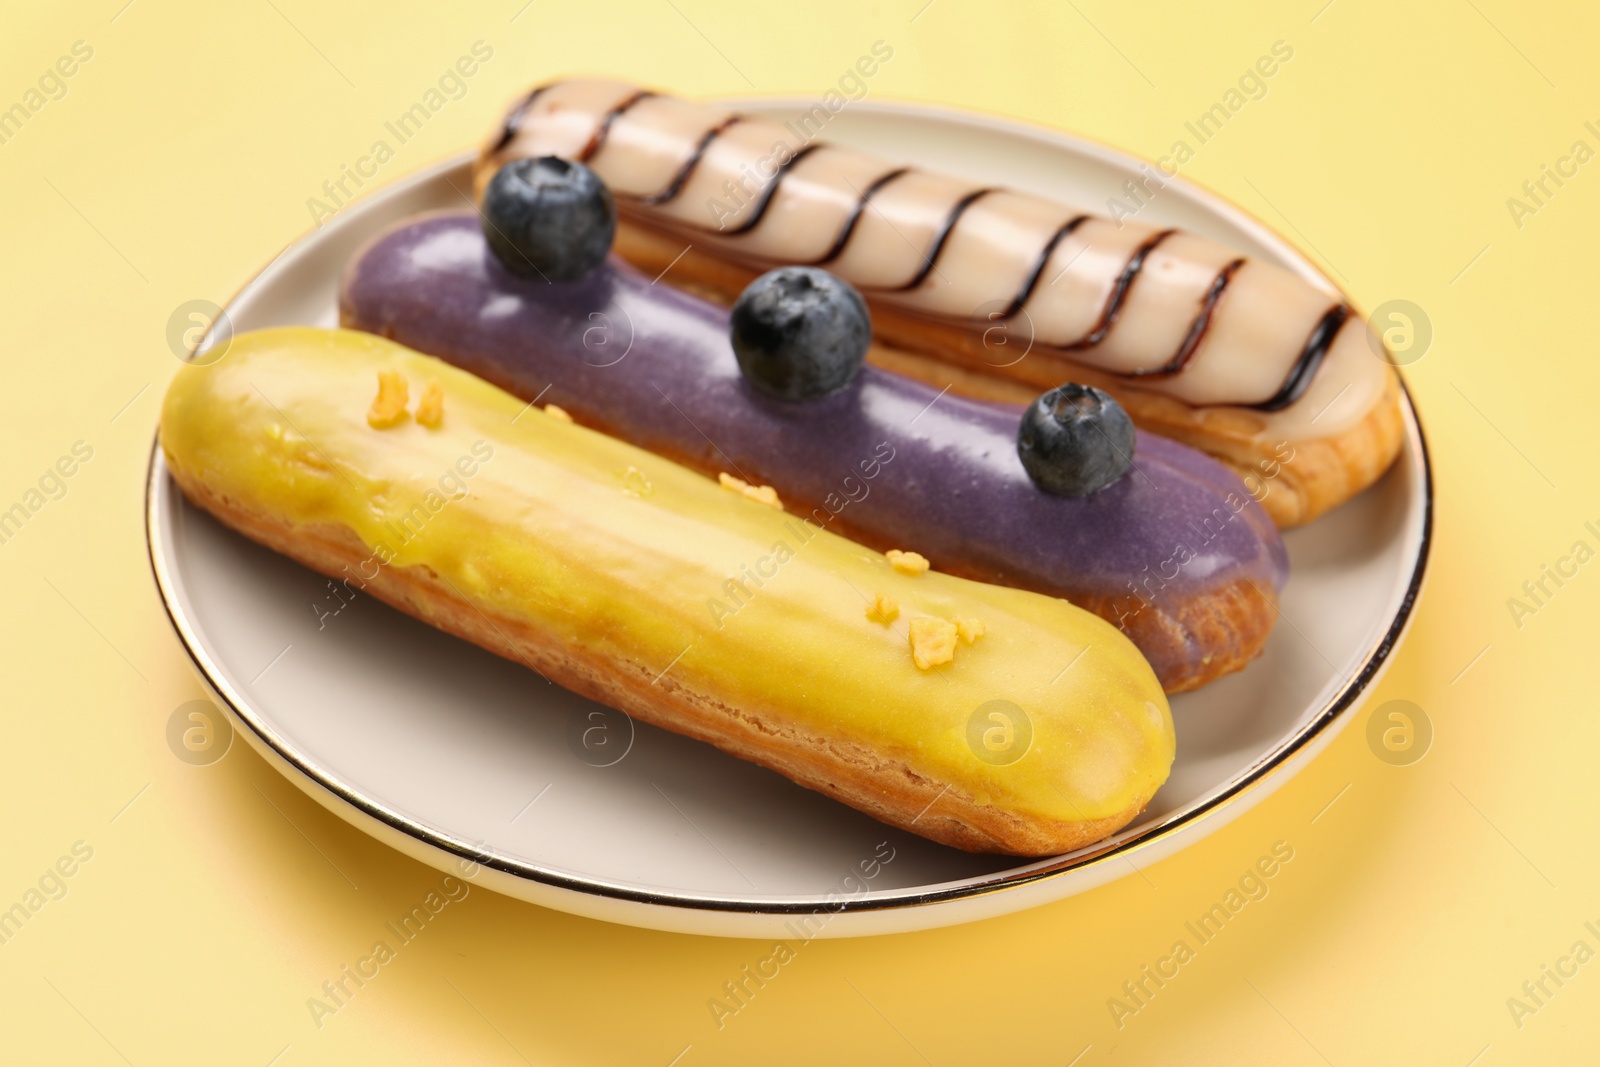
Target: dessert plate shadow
477	766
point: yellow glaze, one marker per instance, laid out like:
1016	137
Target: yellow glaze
617	550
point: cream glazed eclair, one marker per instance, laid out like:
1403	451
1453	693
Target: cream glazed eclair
1175	553
590	560
1233	355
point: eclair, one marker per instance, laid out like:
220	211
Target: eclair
1175	553
995	292
980	716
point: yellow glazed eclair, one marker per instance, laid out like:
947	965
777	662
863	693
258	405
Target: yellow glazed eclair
992	291
986	718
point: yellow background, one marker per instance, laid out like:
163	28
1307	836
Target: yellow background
180	160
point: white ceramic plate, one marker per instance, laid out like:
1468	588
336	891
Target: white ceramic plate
450	754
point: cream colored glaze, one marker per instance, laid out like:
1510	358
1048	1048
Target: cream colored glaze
665	123
618	551
1257	331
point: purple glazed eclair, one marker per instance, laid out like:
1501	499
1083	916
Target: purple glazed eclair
1176	553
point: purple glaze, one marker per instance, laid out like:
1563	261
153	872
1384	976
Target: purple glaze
653	365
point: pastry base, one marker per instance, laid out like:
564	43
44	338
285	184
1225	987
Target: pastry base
879	784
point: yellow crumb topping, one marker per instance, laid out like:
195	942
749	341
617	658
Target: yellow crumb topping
559	414
933	641
882	609
906	562
971	629
761	494
430	409
389	406
634	483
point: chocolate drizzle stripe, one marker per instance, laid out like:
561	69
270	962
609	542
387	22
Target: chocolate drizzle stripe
849	227
772	187
680	179
1039	264
935	250
1119	293
514	119
603	130
1305	368
1197	328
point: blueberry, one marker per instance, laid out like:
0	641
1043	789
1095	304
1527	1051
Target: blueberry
548	218
800	333
1074	440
